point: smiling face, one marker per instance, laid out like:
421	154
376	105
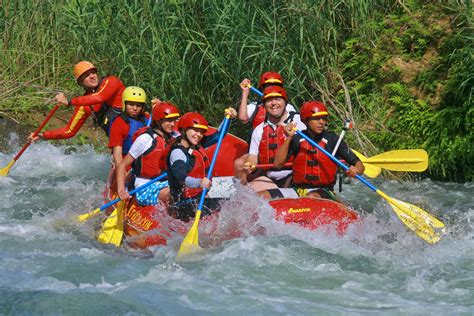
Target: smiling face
89	80
195	135
317	123
275	106
168	125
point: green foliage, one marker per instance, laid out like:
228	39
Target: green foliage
435	110
195	53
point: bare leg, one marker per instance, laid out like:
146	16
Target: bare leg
262	184
239	172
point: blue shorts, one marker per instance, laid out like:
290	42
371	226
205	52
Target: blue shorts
149	196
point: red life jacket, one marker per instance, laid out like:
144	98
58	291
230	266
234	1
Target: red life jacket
199	170
312	167
272	139
148	165
258	115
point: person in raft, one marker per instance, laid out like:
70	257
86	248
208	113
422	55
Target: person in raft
187	165
102	97
131	119
254	113
314	174
146	156
122	129
266	139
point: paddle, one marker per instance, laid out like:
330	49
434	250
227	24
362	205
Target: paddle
256	91
415	160
86	216
112	229
4	171
190	243
407	160
370	171
418	220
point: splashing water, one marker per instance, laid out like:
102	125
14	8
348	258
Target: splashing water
49	264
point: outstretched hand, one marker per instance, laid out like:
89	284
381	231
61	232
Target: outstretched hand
124	195
290	129
206	183
248	167
245	86
231	112
61	98
32	137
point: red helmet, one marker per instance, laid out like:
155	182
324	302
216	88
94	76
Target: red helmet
311	109
193	120
274	92
270	77
164	110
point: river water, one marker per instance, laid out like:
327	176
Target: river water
49	264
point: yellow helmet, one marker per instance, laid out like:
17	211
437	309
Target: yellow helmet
133	94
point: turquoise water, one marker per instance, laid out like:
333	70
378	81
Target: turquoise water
49	264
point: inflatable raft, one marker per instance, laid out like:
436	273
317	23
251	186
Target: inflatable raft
146	226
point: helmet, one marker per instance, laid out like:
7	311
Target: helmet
193	119
133	94
164	110
274	92
311	109
82	67
270	77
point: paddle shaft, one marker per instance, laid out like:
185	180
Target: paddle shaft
335	160
271	165
256	91
225	125
146	185
38	130
347	126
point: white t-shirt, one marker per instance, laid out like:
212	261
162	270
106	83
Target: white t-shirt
139	147
257	138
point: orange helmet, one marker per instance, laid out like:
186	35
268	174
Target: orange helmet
274	92
164	110
312	109
270	77
82	67
193	120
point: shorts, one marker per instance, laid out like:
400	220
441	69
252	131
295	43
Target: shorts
149	196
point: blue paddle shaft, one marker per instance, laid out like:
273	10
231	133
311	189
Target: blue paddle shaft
214	158
146	185
334	159
256	91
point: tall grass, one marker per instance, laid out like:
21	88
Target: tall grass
193	53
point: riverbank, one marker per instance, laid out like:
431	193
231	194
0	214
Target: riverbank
15	128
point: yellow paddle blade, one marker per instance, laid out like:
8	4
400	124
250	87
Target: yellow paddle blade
112	229
190	243
4	171
415	218
415	160
84	217
370	171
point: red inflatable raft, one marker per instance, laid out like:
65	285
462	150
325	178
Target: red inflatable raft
150	225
